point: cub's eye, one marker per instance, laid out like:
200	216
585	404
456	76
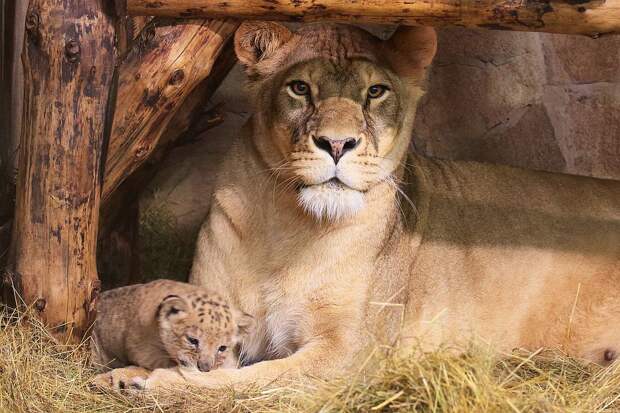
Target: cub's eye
193	341
299	88
376	91
222	349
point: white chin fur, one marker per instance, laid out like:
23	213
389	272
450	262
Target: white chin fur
330	202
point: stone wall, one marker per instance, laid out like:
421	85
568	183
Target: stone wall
541	101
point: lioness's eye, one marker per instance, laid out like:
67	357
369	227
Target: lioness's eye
299	87
222	349
376	91
193	341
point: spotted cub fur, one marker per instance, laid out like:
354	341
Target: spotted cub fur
165	324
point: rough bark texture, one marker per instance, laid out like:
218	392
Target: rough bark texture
591	17
118	246
68	70
162	69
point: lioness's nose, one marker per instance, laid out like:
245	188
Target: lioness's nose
335	147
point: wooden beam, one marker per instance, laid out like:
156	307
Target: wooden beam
590	17
68	62
164	66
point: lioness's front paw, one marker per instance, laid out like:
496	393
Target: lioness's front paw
120	379
162	379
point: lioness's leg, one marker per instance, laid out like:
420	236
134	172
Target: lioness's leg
318	358
120	378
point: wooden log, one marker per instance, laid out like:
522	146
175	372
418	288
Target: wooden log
162	69
590	17
118	254
68	62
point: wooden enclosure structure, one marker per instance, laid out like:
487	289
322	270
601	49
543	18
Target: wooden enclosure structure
592	17
105	95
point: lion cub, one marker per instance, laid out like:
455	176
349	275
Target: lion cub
165	324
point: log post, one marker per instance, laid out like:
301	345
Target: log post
163	68
68	62
590	17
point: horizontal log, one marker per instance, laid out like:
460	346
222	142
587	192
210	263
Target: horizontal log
589	17
68	59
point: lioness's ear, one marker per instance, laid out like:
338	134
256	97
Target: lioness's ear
256	41
411	50
172	307
245	324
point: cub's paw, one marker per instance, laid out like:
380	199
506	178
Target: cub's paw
125	378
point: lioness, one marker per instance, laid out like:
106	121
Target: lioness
334	237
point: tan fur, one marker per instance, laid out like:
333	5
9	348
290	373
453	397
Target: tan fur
150	325
517	258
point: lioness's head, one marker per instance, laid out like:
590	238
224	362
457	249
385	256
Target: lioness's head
334	106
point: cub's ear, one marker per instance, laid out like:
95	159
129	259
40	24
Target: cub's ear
245	324
411	50
256	41
172	307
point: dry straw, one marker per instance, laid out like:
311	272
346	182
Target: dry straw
39	375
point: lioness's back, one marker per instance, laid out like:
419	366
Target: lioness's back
509	252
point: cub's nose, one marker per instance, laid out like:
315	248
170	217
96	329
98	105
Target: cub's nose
204	365
335	147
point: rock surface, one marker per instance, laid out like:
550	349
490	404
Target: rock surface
540	101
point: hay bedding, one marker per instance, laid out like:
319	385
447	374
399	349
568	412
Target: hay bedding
38	375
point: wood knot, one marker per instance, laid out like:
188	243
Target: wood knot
32	22
610	355
176	77
72	51
40	304
150	98
142	151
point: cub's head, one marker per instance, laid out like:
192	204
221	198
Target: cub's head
201	331
334	107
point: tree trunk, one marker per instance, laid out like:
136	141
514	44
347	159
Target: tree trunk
591	17
163	68
68	72
118	246
12	17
